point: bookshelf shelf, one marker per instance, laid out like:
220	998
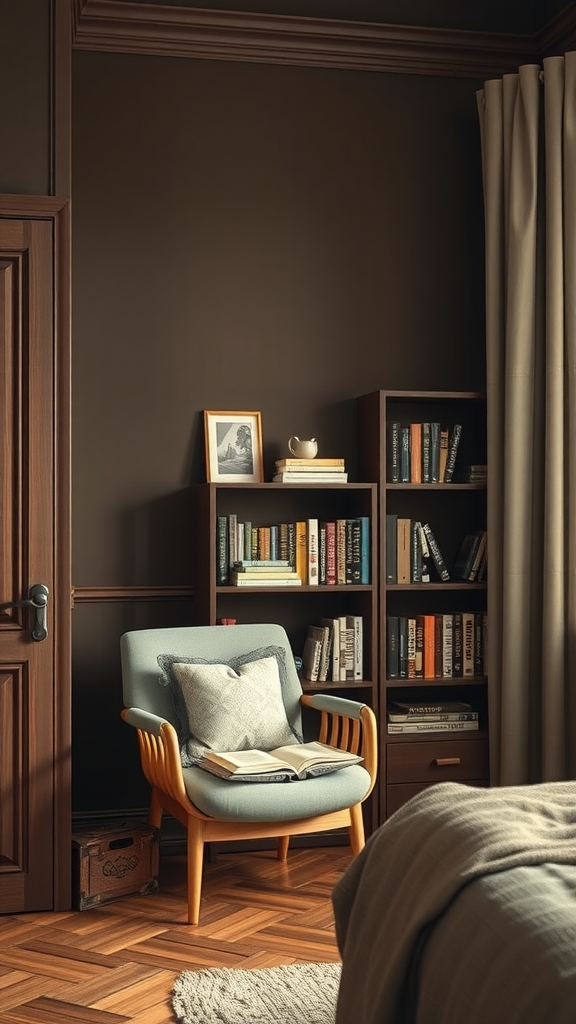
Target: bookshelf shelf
412	761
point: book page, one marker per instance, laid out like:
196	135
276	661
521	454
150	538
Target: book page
302	755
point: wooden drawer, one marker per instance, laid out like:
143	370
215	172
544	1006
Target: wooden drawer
437	761
403	791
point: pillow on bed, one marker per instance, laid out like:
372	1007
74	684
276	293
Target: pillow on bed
229	706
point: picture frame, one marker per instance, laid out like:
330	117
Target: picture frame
234	452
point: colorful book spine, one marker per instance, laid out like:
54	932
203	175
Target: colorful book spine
394	445
399	728
453	444
364	550
312	552
222	556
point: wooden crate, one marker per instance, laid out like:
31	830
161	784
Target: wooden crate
113	861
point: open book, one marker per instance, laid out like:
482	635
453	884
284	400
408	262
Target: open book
292	762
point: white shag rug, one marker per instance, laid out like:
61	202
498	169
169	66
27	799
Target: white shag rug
292	994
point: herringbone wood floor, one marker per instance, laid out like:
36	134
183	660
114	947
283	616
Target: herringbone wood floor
117	963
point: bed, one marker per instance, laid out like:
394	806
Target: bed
461	909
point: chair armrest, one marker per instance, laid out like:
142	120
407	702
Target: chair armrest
347	724
159	753
143	720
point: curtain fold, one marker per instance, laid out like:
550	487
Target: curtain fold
528	140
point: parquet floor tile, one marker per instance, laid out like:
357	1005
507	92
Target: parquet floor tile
116	963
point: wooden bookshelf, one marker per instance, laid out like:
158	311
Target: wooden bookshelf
410	762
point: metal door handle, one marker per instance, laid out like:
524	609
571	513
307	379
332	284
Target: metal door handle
37	600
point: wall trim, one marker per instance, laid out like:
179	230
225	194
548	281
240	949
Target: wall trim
124	27
82	595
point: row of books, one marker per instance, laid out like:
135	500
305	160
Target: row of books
333	650
413	554
436	646
315	471
440	716
422	453
320	552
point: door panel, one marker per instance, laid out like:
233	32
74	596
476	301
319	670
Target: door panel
34	513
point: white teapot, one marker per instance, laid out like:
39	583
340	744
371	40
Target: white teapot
305	449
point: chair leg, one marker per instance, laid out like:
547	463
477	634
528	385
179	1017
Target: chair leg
283	842
195	865
357	839
155	810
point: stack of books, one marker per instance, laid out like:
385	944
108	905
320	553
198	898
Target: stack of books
474	474
439	716
310	471
333	650
270	573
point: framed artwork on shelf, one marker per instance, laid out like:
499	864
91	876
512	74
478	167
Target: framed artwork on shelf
233	443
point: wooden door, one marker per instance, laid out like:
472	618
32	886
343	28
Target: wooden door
35	541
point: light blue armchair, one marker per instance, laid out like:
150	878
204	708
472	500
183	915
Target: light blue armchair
214	809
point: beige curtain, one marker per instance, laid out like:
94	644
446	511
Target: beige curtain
528	136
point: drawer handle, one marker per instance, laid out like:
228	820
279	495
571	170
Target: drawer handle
441	761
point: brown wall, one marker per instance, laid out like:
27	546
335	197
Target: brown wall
246	237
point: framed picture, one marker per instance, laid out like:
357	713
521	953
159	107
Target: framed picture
233	447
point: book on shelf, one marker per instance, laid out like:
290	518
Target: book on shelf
356	624
403	645
346	649
411	648
330	552
475	567
241	580
391	541
467	643
322	569
434	452
435	552
312	552
352	551
457	645
419	727
403	710
264	574
447	644
226	621
478	643
264	543
392	647
259	563
294	761
296	464
334	664
425	571
305	477
416	560
426	466
403	558
416	453
419	647
405	455
365	549
222	551
443	456
246	553
471	474
453	444
312	652
232	538
394	432
340	551
301	549
465	555
429	642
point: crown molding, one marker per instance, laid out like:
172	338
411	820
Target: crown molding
121	27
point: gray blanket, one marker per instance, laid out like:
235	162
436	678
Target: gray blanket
458	862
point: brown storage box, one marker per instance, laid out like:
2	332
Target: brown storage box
113	861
